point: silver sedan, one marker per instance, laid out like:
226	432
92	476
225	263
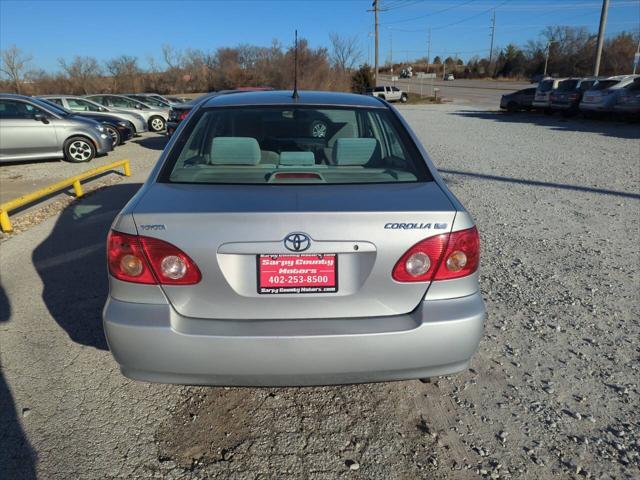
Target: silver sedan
293	241
80	104
34	130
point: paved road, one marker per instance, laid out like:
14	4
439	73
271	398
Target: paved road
462	92
552	393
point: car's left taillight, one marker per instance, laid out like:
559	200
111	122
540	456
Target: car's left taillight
442	257
139	259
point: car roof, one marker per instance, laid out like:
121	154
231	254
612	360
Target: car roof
285	97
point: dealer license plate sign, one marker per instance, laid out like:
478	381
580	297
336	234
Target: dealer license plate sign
279	274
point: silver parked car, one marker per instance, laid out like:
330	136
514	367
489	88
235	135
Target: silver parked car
34	130
80	104
604	94
151	99
293	241
629	99
542	98
156	117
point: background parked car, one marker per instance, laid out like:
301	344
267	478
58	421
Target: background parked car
541	100
448	76
629	100
119	130
176	100
520	100
604	94
150	99
566	98
81	104
156	117
389	93
33	130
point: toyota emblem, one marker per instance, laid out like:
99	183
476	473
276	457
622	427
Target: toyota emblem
297	242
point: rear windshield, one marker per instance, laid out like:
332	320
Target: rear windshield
586	85
568	85
604	84
545	85
301	145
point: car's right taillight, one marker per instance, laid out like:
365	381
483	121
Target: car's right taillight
138	259
183	115
442	257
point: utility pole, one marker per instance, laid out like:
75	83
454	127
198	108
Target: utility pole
493	33
375	12
603	23
391	49
429	50
546	58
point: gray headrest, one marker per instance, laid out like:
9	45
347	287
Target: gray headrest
235	151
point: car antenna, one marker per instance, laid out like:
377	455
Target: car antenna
295	95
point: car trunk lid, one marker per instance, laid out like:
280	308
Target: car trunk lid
225	229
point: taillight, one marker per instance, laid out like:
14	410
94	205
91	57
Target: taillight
147	260
183	115
443	257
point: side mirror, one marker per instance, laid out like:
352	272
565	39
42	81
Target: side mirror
138	106
41	117
102	109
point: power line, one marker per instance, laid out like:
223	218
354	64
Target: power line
430	14
472	16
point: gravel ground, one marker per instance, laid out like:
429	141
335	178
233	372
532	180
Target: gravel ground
552	392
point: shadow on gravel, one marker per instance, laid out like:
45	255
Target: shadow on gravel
17	458
72	263
536	183
153	143
609	128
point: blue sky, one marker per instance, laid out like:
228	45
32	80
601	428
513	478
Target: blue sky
48	30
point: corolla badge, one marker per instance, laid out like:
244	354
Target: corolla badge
297	242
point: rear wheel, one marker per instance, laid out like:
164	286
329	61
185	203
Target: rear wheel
157	124
114	134
404	98
382	97
79	149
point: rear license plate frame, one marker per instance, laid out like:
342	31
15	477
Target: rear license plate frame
296	289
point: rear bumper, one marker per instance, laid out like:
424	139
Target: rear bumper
540	103
151	342
595	107
624	108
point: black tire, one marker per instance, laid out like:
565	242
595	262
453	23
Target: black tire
382	97
512	107
79	150
157	124
404	98
113	132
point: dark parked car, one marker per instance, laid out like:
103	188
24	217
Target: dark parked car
179	112
520	100
566	98
119	130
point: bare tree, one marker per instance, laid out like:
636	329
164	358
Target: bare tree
171	56
13	64
82	73
125	71
345	52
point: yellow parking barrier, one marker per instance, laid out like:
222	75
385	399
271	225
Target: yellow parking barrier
6	207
